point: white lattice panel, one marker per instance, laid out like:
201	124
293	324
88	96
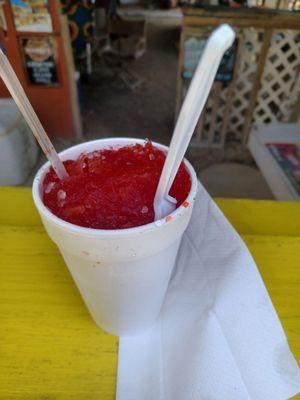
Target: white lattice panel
250	41
228	107
280	83
204	134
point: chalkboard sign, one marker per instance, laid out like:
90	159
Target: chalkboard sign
40	60
193	50
225	70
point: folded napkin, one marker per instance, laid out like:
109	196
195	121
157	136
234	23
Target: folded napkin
218	336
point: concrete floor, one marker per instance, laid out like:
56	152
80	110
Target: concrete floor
235	180
112	109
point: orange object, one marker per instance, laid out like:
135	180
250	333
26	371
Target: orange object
56	101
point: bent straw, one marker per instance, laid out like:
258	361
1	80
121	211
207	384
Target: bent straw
219	41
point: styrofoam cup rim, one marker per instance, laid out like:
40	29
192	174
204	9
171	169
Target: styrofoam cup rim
79	230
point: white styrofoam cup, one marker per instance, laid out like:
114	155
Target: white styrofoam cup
122	274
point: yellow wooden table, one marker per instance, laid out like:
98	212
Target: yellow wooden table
49	346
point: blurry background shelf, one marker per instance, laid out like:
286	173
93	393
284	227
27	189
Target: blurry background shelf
276	178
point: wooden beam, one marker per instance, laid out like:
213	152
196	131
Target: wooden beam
266	23
252	13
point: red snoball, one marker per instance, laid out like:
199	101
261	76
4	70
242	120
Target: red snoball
111	188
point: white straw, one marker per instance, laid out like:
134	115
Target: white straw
14	86
219	41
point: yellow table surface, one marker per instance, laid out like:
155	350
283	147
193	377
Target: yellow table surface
49	346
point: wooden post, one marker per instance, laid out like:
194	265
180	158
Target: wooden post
71	75
179	77
199	127
257	84
214	112
230	96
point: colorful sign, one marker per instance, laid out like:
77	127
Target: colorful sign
31	15
40	59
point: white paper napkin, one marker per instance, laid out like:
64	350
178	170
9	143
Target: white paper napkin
218	336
